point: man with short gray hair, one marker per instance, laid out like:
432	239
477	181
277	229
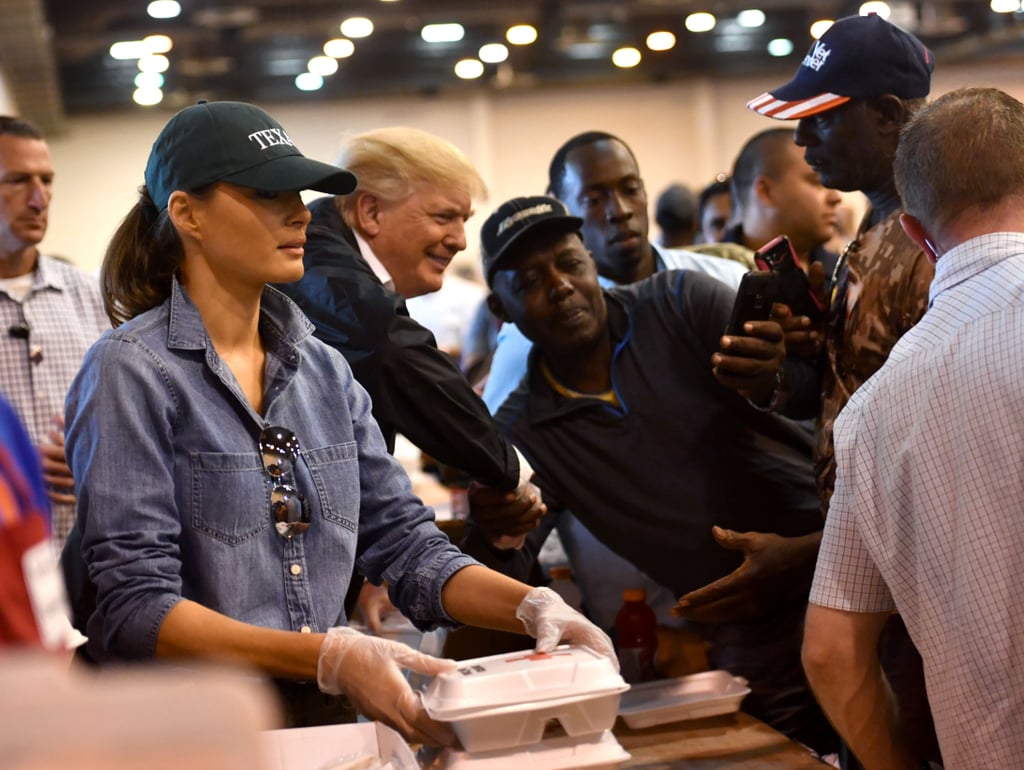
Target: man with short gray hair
926	512
50	311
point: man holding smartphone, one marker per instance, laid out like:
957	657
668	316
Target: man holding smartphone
856	89
623	418
598	179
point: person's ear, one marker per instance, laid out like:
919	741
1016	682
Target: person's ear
764	191
892	113
495	306
368	211
915	231
182	213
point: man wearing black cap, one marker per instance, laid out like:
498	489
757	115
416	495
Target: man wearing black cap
598	179
858	86
622	418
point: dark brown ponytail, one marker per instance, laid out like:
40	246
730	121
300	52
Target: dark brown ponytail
141	259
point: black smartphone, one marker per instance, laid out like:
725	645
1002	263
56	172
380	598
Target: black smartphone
754	298
777	256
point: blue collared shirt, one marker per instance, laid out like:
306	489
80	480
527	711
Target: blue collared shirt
174	502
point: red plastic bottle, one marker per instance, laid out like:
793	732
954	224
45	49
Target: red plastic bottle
636	636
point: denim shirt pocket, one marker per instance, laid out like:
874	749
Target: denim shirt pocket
335	473
230	496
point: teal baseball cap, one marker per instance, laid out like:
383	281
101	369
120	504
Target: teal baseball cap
238	143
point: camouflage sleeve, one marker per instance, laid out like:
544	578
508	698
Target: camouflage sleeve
919	282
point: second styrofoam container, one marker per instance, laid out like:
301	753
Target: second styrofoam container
505	701
709	693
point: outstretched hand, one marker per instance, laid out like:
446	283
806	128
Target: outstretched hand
773	568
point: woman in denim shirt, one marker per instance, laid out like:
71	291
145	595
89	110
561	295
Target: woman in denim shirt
230	473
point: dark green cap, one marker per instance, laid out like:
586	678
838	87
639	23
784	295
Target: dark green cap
237	143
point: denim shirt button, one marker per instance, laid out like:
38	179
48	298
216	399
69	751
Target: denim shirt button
296	569
305	630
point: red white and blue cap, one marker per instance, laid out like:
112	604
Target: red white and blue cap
858	57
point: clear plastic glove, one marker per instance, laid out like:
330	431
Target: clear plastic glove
368	670
549	620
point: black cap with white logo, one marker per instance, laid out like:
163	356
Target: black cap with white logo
514	219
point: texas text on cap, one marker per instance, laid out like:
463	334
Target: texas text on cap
859	57
514	219
237	143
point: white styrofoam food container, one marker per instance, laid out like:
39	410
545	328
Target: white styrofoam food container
594	752
504	701
707	694
312	748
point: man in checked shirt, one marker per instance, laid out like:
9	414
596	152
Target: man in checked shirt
50	312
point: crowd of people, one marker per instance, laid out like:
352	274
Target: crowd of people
827	503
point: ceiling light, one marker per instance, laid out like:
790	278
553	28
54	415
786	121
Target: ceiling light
521	34
469	69
661	40
626	57
357	26
149	80
155	62
820	27
780	46
750	18
147	97
129	49
875	6
450	32
700	22
322	65
1005	6
493	53
158	43
309	81
163	9
339	48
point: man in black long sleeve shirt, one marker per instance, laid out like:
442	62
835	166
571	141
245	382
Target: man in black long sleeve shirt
365	254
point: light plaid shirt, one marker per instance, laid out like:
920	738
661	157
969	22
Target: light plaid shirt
927	510
64	315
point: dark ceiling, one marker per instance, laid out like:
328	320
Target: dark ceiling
252	49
